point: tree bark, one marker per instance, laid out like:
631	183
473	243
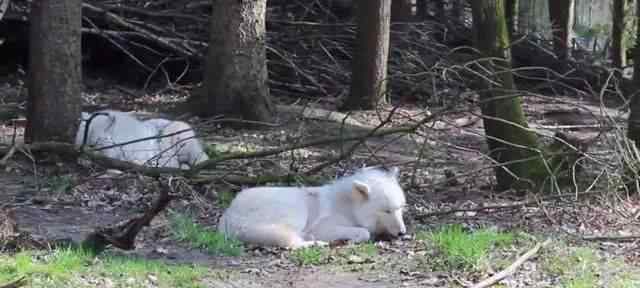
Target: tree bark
369	65
55	71
441	11
560	14
633	131
618	56
457	11
421	9
401	11
236	74
505	116
511	12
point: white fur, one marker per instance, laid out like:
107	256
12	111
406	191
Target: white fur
119	127
186	148
352	208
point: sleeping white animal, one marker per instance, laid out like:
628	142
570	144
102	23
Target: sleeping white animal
116	127
183	145
353	208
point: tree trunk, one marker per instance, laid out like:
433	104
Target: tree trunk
441	10
617	31
401	10
236	74
458	10
633	131
503	110
422	9
368	81
560	12
511	12
55	71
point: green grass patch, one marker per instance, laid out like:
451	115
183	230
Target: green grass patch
582	267
355	257
314	255
73	268
367	249
578	269
54	266
138	272
186	230
464	250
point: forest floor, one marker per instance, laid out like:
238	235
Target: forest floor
59	199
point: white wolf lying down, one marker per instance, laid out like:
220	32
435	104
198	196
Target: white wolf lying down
354	208
111	127
184	146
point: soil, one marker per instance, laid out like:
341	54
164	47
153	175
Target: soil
61	199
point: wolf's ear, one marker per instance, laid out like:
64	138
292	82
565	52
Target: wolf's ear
394	172
360	191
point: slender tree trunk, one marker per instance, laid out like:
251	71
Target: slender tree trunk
441	11
502	108
457	11
511	12
633	131
236	74
618	54
560	12
401	11
421	9
55	73
368	82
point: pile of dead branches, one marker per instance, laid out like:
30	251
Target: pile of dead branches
310	50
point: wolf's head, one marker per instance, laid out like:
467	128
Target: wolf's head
379	201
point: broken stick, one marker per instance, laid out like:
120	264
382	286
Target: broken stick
123	235
512	268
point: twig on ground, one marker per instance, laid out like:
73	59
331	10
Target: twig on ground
514	205
22	281
512	268
211	163
614	238
123	235
8	155
373	132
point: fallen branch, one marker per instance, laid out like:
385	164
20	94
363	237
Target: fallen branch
514	205
8	155
148	13
616	238
123	235
512	268
321	114
260	179
125	24
71	151
353	147
211	163
22	281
